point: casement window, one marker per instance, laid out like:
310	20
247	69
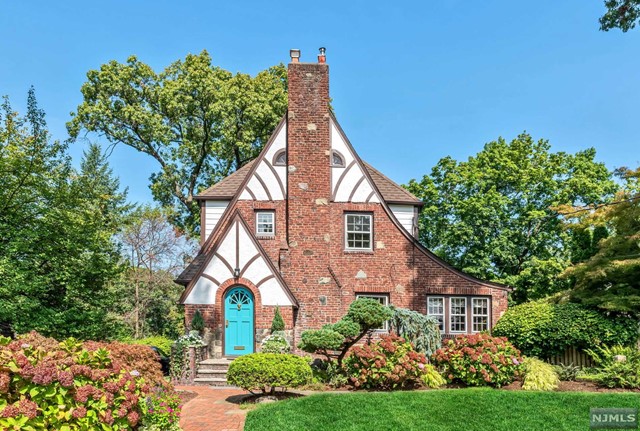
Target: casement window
458	314
358	231
265	223
435	308
280	159
383	299
480	314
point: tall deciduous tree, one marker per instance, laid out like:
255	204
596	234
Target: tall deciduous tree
610	279
493	215
622	14
198	121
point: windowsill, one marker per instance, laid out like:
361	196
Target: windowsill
356	251
266	236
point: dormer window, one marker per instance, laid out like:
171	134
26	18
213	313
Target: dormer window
336	159
280	159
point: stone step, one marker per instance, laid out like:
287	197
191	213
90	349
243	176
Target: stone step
211	381
211	373
214	364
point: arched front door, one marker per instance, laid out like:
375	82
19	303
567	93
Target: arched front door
238	315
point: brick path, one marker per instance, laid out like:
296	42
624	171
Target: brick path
213	410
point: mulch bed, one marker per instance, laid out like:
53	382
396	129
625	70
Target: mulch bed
572	387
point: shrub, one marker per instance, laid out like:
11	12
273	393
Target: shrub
334	340
539	376
478	360
268	372
616	367
197	322
275	343
567	373
328	372
544	330
65	386
431	378
420	330
390	363
162	343
277	324
161	411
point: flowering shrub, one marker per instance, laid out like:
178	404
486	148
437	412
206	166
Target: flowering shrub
161	411
275	343
389	363
478	360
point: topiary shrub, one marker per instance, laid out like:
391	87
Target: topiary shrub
390	363
478	360
334	340
277	324
275	343
269	372
197	322
419	329
539	376
544	330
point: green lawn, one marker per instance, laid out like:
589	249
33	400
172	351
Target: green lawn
439	410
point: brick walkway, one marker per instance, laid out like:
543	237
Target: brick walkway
213	410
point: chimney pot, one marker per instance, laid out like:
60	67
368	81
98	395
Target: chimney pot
295	55
322	58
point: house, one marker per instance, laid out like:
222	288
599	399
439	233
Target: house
309	226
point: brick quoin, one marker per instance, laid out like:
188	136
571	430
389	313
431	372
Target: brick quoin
308	246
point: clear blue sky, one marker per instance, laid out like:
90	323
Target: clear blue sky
411	81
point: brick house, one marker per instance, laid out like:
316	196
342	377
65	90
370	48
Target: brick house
309	227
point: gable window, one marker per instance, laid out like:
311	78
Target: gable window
280	159
435	308
480	314
336	159
458	314
358	228
265	223
383	299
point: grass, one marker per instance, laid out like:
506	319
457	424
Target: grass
437	410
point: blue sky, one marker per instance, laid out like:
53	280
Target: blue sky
411	81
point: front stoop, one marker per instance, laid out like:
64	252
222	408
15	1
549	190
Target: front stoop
212	372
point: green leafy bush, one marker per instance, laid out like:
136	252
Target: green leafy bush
161	411
544	330
275	343
431	378
66	386
268	372
277	324
390	363
161	342
567	373
478	360
539	376
419	329
197	322
616	367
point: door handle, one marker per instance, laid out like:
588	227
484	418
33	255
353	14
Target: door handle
226	323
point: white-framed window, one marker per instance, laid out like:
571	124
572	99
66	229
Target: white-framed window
382	298
265	223
435	308
457	314
479	314
280	159
358	230
336	159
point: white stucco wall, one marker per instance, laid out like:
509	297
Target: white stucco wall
213	211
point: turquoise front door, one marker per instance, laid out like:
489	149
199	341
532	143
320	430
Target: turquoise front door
238	314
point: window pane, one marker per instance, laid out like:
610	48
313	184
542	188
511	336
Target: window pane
264	223
435	308
358	231
480	310
458	314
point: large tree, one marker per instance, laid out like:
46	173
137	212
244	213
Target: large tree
622	14
198	121
57	224
610	278
494	215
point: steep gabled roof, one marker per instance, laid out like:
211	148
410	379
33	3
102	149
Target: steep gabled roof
228	187
391	192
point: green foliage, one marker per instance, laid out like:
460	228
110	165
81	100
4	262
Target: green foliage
335	340
268	372
277	324
616	367
478	360
197	322
275	343
495	215
57	256
198	121
622	14
567	373
539	376
431	378
179	369
610	278
390	363
542	329
419	329
161	412
162	343
68	385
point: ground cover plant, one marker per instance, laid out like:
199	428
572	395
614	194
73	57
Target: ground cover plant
439	410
